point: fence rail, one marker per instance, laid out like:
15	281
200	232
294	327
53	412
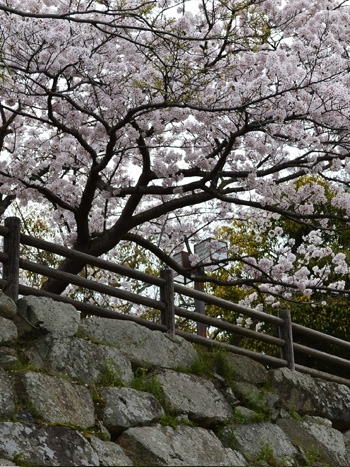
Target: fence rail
13	263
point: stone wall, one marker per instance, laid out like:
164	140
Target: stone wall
104	392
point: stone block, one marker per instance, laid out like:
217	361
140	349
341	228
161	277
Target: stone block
43	315
8	332
163	445
260	441
139	344
109	454
8	308
195	397
312	396
7	396
246	369
248	393
45	445
80	359
125	407
316	438
55	400
6	463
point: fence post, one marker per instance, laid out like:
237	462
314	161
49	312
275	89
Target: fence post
11	265
199	305
167	296
285	333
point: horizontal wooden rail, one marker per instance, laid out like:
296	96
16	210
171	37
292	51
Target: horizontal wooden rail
149	302
322	375
91	285
212	300
319	336
321	355
92	260
226	326
4	230
91	309
260	357
285	342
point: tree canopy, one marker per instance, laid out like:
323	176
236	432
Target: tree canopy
155	122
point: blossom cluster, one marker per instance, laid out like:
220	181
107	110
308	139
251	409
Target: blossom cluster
168	122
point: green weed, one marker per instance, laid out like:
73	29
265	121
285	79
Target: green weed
266	455
212	361
312	457
169	420
109	376
21	459
143	381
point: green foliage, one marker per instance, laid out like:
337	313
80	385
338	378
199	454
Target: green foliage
103	435
294	414
109	376
202	364
324	312
210	361
266	456
232	439
21	364
312	458
224	367
144	381
260	414
169	419
22	459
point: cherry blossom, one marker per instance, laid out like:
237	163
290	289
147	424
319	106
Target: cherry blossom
158	123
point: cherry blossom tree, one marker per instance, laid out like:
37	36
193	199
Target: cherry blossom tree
288	265
156	122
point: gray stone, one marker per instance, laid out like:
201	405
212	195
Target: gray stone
317	420
109	454
139	344
133	417
6	463
272	406
227	435
24	415
195	397
163	445
8	357
55	400
260	441
7	396
8	331
230	397
248	394
45	445
79	359
246	369
245	414
43	315
308	396
347	443
315	437
125	407
7	361
8	308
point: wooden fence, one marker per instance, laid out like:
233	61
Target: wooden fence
169	312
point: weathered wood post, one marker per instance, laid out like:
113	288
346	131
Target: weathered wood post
167	296
285	333
11	265
200	305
